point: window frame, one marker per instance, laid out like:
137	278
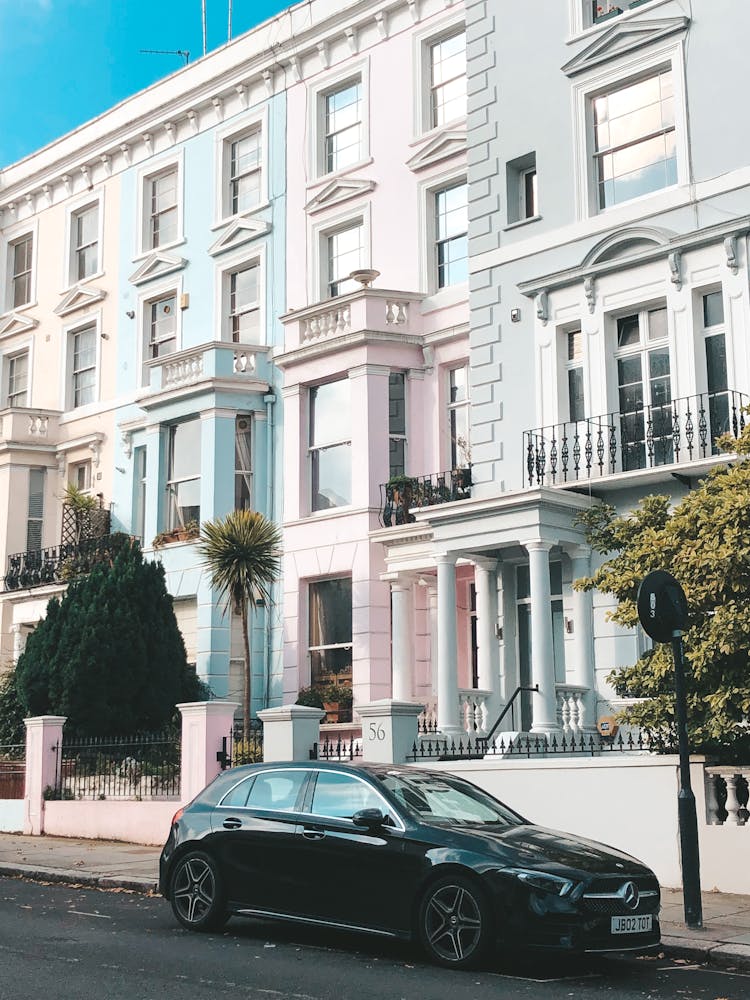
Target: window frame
146	176
313	449
246	474
606	79
394	435
10	240
422	72
92	200
318	275
91	322
451	408
322	647
240	127
154	293
8	356
436	241
332	83
581	19
172	521
231	264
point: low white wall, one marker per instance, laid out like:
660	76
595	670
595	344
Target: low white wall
133	822
629	803
11	815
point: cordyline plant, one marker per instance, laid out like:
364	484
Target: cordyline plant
704	541
242	551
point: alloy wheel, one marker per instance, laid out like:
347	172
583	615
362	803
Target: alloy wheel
453	925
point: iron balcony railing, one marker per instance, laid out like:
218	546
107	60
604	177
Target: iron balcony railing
677	431
60	563
403	494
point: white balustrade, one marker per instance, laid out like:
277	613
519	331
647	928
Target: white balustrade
38	423
474	711
571	709
183	370
396	312
244	363
727	784
328	322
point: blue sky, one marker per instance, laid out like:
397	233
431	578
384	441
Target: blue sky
63	62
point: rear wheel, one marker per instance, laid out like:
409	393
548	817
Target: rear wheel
455	925
196	893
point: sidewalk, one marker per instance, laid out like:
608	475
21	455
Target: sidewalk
724	940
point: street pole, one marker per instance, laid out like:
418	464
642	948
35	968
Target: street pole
686	813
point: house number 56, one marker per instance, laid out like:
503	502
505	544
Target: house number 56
376	732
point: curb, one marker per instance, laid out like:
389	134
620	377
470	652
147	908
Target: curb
66	877
715	953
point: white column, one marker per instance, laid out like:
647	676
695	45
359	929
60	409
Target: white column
402	647
432	605
583	636
448	711
488	651
544	703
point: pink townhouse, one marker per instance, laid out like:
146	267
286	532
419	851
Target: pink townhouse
376	341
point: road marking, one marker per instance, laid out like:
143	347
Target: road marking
82	913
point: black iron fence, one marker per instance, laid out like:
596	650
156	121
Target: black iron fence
681	430
145	766
12	770
403	494
236	750
435	747
61	563
338	749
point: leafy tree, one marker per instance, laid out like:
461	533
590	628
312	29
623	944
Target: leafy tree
704	541
242	551
12	729
109	655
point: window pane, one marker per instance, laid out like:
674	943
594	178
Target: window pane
459	384
448	83
341	796
330	612
343	127
657	324
716	363
277	790
344	256
713	309
332	477
330	412
577	407
243	476
396	403
185	450
452	224
628	331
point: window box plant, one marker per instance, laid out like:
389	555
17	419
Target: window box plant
310	697
184	533
604	13
400	492
337	702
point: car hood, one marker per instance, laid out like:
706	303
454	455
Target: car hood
540	848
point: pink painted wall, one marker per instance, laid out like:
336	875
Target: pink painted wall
132	822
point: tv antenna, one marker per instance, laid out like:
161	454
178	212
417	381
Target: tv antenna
167	52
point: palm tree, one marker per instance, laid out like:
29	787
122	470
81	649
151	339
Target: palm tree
242	551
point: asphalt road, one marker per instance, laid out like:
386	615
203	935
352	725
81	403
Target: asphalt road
80	944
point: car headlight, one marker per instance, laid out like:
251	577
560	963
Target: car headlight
556	885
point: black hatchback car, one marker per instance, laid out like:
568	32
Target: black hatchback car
399	852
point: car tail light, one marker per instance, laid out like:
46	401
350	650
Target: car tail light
178	815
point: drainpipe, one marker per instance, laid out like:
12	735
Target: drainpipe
269	399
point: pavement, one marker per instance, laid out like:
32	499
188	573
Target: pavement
723	941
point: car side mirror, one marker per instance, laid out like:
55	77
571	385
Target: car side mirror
373	819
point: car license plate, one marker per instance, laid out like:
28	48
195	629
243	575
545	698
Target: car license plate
632	925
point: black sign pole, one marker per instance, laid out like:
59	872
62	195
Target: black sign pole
686	812
663	613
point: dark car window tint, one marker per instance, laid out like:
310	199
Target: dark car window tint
341	796
447	801
238	795
276	790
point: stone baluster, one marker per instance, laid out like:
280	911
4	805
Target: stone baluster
564	708
713	811
733	802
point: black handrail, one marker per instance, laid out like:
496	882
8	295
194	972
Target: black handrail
508	707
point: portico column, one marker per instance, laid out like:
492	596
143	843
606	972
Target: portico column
448	710
488	653
544	703
402	651
583	636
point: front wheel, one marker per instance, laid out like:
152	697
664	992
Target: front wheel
455	925
196	893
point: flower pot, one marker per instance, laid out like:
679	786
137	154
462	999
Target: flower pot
607	15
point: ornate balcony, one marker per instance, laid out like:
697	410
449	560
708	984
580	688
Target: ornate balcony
60	563
678	432
368	309
403	494
24	425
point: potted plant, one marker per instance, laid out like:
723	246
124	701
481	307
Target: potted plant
605	11
337	702
190	529
310	697
399	496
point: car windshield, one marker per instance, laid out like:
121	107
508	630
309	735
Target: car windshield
447	801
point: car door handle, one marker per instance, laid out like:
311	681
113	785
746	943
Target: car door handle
313	833
232	823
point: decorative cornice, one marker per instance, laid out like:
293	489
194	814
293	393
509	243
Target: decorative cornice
157	265
238	233
79	298
445	144
338	191
622	38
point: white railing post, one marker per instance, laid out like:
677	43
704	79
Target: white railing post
43	754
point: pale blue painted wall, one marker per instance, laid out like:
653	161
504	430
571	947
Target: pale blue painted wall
185	575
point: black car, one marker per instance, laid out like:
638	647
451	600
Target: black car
399	852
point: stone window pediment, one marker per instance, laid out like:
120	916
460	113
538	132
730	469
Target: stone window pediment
621	39
238	233
337	192
16	323
79	298
157	265
447	143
